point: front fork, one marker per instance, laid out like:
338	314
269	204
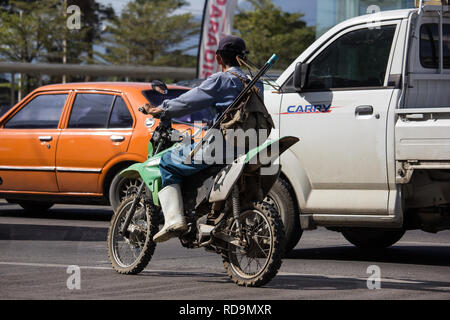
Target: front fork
237	211
124	229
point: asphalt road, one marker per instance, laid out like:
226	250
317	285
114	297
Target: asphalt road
36	251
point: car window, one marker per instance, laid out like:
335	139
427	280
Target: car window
156	99
429	45
357	59
120	116
43	112
91	111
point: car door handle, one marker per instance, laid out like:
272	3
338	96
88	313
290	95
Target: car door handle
117	138
364	110
46	138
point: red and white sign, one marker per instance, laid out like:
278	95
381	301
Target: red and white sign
217	23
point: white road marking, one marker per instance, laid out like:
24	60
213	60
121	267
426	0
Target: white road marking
388	280
437	244
53	265
50	265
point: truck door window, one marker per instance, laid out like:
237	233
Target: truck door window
357	59
429	45
43	112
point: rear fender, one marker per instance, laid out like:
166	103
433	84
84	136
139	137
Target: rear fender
268	152
262	157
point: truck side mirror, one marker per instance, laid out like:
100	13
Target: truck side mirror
301	70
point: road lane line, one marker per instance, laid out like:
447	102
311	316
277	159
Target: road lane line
388	280
336	277
54	265
437	244
50	265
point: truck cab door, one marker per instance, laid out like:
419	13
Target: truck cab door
340	117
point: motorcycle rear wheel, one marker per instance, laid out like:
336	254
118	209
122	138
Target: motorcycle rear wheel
130	255
259	262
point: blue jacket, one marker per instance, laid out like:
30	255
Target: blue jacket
216	93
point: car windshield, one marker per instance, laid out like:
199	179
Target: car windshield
157	98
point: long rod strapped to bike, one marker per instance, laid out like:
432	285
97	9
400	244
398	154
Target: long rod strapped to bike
236	102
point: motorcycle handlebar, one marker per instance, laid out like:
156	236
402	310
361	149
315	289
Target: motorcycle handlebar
142	110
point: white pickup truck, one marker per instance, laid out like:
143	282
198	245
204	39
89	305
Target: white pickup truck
370	102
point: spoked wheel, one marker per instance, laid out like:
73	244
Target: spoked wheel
257	260
130	254
122	188
129	188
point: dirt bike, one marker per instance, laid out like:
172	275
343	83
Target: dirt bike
224	211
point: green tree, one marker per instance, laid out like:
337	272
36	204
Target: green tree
267	29
93	16
149	32
34	31
37	31
23	30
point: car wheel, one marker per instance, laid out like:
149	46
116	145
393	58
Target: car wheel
35	206
122	188
372	238
281	198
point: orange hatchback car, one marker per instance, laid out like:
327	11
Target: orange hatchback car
66	143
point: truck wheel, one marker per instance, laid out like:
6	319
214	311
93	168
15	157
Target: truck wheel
122	188
281	198
371	238
35	206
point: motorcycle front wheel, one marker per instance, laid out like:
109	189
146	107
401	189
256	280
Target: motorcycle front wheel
131	253
258	260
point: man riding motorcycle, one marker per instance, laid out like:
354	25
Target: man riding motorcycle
216	93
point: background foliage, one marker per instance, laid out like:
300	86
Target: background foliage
267	29
146	32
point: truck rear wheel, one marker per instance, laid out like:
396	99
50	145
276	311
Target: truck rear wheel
281	198
372	238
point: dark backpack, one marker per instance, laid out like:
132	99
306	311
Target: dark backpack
251	113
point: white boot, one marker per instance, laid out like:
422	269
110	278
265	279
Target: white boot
171	201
